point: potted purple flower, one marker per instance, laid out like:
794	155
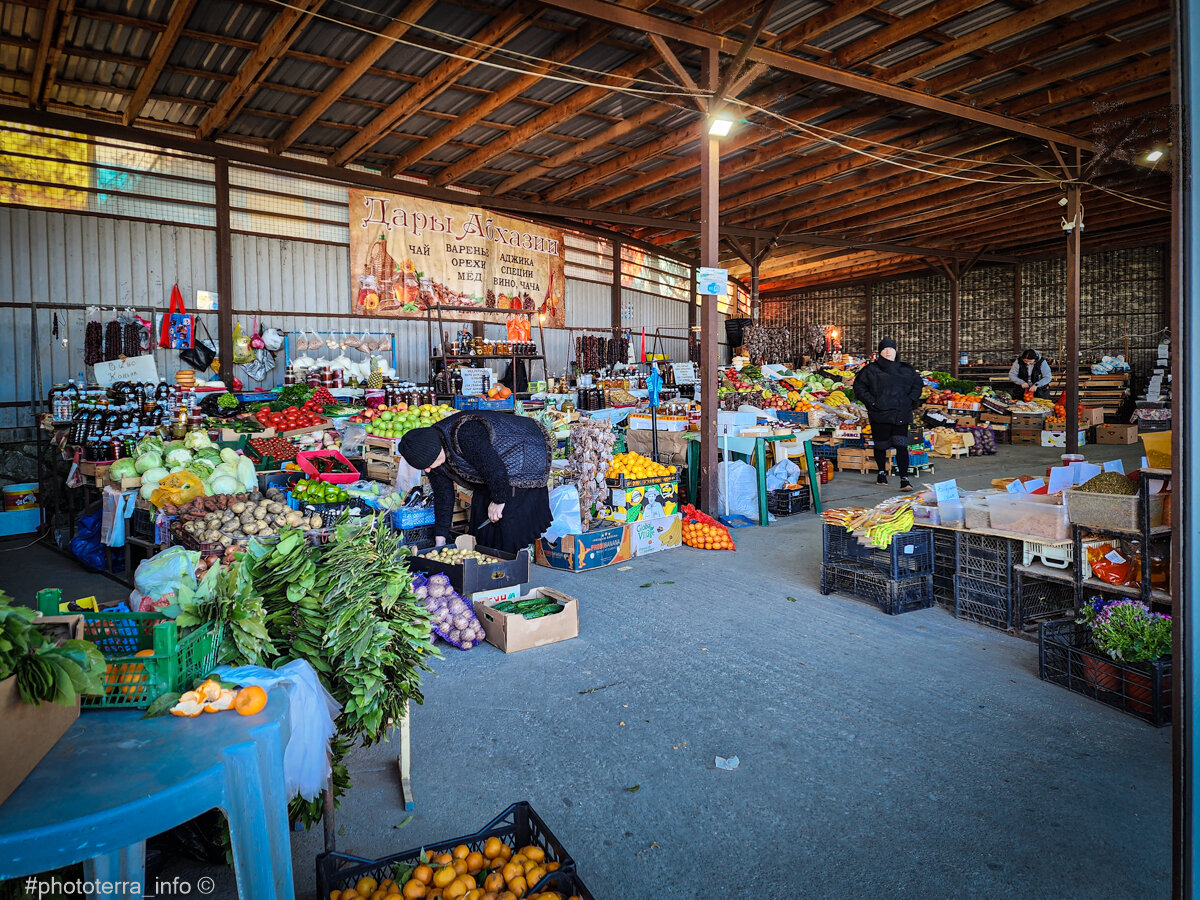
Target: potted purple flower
1134	638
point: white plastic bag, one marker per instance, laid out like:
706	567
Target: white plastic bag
737	490
564	508
352	438
164	573
407	477
311	725
783	472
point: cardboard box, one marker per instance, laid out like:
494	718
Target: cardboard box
495	596
1025	435
512	632
30	732
1029	420
966	421
632	504
642	422
1116	434
590	550
1091	416
652	535
995	418
672	446
1059	438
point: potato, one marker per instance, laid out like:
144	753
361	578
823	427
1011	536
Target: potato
278	521
266	531
238	508
294	518
314	522
226	540
211	536
260	512
251	528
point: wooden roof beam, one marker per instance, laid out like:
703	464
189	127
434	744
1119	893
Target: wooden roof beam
507	25
158	59
907	26
863	84
725	13
45	64
685	78
353	71
279	36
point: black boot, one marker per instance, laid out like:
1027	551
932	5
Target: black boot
882	479
905	485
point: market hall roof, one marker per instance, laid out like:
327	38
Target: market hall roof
870	134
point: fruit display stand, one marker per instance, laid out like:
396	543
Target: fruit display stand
116	778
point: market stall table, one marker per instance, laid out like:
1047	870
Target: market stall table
116	779
755	449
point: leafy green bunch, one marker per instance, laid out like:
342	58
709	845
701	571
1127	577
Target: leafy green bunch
46	669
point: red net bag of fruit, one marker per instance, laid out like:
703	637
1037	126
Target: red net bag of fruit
704	532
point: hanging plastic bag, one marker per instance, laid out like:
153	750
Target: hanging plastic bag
737	490
783	473
177	489
407	477
352	438
87	547
311	717
164	573
564	510
116	507
242	352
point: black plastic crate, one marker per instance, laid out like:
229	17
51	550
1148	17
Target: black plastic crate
1038	600
943	590
986	558
1066	658
893	596
910	554
141	524
983	602
420	536
518	826
785	502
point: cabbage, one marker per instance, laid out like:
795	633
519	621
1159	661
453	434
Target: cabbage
155	475
196	440
179	457
148	489
229	455
201	468
148	460
173	445
122	468
151	442
211	454
245	473
223	484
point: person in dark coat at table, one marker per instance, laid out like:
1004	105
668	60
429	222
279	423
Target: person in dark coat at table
502	458
1030	372
889	389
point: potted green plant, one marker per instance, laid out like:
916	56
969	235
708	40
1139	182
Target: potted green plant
1129	634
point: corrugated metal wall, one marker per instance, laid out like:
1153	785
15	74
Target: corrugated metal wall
64	260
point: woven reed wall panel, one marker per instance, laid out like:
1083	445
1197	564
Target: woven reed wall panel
915	312
844	307
1123	295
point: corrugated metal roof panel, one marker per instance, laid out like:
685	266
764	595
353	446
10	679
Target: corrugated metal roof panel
903	51
843	34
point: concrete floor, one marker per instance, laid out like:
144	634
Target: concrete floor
910	756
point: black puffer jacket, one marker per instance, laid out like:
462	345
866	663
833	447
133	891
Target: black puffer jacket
889	389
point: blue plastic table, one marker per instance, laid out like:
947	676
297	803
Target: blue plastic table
115	779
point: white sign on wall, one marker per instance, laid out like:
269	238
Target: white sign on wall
132	368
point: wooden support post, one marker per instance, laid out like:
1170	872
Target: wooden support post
710	158
615	300
754	301
224	272
1016	318
953	273
869	314
1071	357
693	309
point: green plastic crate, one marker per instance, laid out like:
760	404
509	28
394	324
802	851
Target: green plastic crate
175	661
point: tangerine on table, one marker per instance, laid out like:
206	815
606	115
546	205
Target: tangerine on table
251	700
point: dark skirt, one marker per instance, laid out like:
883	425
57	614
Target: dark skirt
526	517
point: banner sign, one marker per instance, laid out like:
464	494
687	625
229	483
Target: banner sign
407	254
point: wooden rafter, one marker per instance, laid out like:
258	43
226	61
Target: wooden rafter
817	71
924	19
283	31
723	14
356	68
488	39
45	64
685	78
158	60
734	68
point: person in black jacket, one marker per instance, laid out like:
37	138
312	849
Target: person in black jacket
502	458
889	389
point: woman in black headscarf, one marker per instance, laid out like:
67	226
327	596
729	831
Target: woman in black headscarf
1030	372
502	458
889	389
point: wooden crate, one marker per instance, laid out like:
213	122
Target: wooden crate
381	457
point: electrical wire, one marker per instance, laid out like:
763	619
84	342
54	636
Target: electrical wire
1129	198
36	540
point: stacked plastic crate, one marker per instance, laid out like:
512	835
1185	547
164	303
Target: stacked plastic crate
984	579
899	577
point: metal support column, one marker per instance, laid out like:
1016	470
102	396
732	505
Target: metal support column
1071	362
224	273
754	301
710	158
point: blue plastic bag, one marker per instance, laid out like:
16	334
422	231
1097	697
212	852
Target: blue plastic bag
87	547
